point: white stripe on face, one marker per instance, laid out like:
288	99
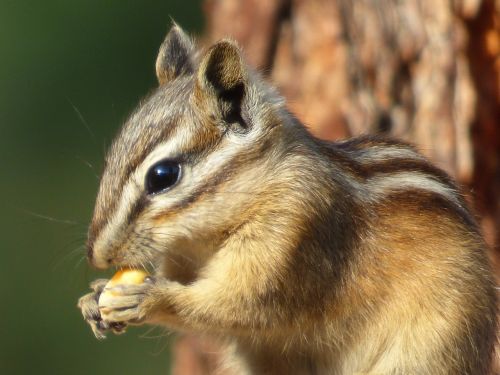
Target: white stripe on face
192	178
106	240
111	233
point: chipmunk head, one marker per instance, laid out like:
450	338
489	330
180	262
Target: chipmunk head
187	161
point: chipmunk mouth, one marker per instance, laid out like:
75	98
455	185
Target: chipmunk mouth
136	261
133	266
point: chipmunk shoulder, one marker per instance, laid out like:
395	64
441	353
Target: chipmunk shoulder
304	256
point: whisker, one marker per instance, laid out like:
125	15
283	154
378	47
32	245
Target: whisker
150	247
147	245
82	258
66	257
85	162
49	218
151	264
83	121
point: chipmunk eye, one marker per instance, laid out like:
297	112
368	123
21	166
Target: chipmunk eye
162	176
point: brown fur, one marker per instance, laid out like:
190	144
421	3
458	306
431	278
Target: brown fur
302	256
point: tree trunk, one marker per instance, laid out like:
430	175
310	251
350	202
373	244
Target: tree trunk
426	71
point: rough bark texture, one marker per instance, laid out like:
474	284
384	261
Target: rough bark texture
427	71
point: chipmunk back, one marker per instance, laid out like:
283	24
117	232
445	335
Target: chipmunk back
302	256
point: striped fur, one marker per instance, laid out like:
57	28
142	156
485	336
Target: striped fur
302	256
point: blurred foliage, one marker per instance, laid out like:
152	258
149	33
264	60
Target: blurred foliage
70	72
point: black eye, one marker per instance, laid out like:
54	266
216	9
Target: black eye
162	176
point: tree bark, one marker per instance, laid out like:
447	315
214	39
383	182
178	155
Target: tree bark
426	71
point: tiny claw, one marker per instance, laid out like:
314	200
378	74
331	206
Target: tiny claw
99	335
118	327
102	325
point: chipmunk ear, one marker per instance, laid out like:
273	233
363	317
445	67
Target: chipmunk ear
222	75
175	56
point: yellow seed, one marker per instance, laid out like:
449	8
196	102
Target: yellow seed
129	276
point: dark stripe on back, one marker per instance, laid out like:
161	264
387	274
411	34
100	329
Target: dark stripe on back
344	154
424	200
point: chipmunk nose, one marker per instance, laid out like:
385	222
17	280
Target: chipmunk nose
90	246
90	252
96	261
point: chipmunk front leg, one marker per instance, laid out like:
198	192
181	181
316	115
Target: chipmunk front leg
229	295
198	306
222	300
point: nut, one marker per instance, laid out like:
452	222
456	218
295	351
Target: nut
128	276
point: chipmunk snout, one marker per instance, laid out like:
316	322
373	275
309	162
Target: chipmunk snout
95	258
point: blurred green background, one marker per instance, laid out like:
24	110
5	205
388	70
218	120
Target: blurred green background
70	72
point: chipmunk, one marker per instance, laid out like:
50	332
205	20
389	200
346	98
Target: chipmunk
302	256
